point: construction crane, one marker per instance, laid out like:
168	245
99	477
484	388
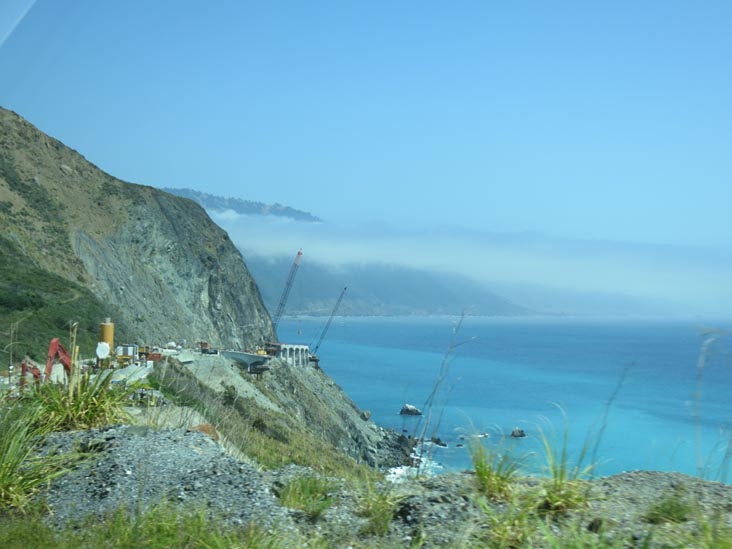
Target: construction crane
314	356
286	291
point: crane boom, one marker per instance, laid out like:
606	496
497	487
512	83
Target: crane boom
286	291
327	324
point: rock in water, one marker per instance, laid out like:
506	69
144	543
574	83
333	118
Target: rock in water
410	410
437	441
518	433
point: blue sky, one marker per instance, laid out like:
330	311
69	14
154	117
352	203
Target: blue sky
569	121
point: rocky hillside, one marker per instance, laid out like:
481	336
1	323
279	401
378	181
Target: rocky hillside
153	261
290	414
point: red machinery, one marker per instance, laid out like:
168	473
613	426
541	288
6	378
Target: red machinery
56	352
28	366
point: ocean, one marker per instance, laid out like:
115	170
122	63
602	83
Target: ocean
628	394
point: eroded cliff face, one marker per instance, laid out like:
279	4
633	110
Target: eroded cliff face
157	258
179	276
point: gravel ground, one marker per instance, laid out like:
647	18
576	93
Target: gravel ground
137	467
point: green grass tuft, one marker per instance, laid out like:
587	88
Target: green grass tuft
378	503
511	526
672	507
22	472
495	470
308	494
164	525
563	490
94	402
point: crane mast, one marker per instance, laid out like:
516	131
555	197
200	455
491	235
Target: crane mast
327	325
286	291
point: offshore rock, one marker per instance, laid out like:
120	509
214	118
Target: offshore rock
518	433
410	410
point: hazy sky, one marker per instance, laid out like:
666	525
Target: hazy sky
565	120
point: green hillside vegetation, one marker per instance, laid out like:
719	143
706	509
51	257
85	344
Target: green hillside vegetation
44	305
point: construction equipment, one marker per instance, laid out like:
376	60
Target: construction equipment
56	353
286	291
29	366
149	352
314	356
127	354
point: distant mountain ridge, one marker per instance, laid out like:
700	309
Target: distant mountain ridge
374	289
380	289
246	207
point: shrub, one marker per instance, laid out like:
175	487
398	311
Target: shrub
230	394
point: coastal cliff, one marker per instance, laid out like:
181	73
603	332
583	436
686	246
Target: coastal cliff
153	261
79	245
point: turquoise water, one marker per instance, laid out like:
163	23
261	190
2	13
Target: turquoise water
541	374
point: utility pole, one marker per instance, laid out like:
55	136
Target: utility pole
9	347
14	326
10	367
74	378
